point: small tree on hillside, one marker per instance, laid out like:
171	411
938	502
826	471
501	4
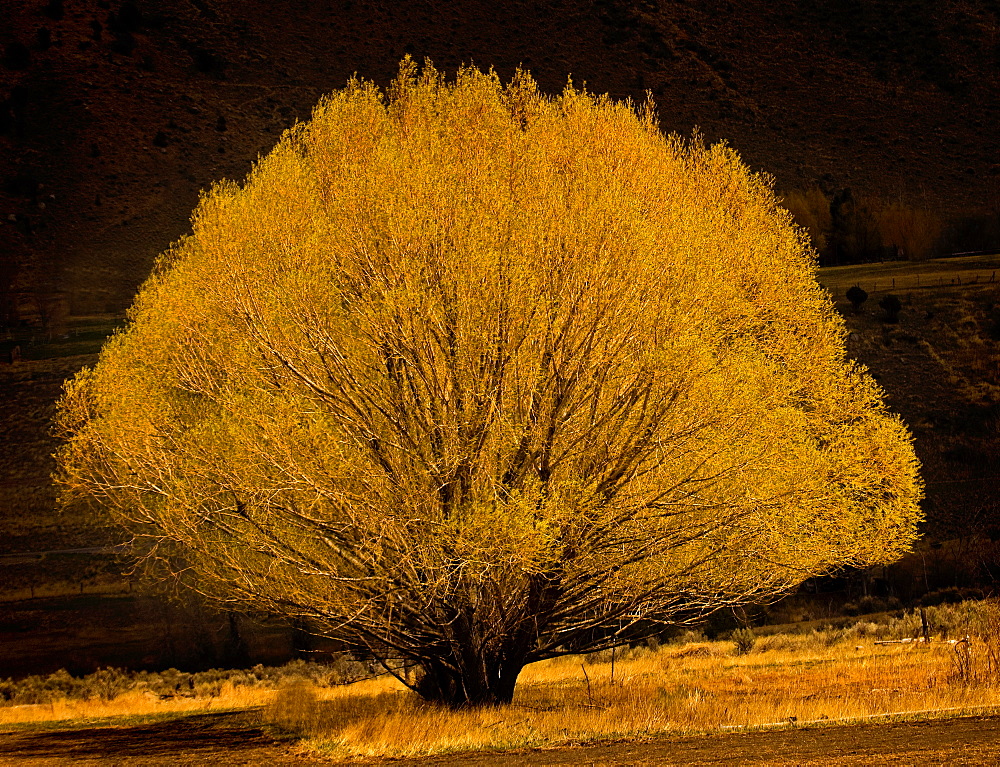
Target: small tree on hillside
474	377
891	305
857	296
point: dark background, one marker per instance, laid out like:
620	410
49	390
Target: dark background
115	114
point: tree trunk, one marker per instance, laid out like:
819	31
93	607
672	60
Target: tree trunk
483	682
476	672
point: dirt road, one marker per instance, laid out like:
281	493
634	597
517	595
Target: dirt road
234	739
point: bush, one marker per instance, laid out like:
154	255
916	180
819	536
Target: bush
689	636
857	296
891	305
949	596
868	605
745	639
108	683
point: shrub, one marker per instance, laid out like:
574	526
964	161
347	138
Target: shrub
857	296
745	639
870	604
108	683
506	343
949	596
689	636
891	305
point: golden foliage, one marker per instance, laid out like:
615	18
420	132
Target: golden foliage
811	210
469	374
870	228
914	231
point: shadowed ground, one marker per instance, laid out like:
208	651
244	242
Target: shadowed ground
234	739
224	738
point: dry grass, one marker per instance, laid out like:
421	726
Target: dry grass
134	703
674	690
699	686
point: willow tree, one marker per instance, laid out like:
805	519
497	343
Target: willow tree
474	377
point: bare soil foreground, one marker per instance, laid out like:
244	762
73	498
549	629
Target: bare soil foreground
234	739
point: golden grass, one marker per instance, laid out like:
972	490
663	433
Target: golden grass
675	690
135	703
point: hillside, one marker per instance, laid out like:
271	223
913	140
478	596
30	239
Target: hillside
939	365
114	114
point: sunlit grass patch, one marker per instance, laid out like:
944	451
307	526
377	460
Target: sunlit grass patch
675	689
134	703
852	672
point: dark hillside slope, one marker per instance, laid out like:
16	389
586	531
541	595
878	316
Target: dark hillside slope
115	113
939	365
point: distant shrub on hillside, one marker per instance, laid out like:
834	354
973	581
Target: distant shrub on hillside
891	305
857	296
745	639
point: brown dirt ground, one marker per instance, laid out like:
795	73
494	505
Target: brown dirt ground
235	739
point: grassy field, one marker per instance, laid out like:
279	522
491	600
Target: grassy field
900	276
695	688
815	677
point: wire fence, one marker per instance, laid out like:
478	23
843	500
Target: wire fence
910	282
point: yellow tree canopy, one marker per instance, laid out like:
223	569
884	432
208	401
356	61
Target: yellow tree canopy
469	375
